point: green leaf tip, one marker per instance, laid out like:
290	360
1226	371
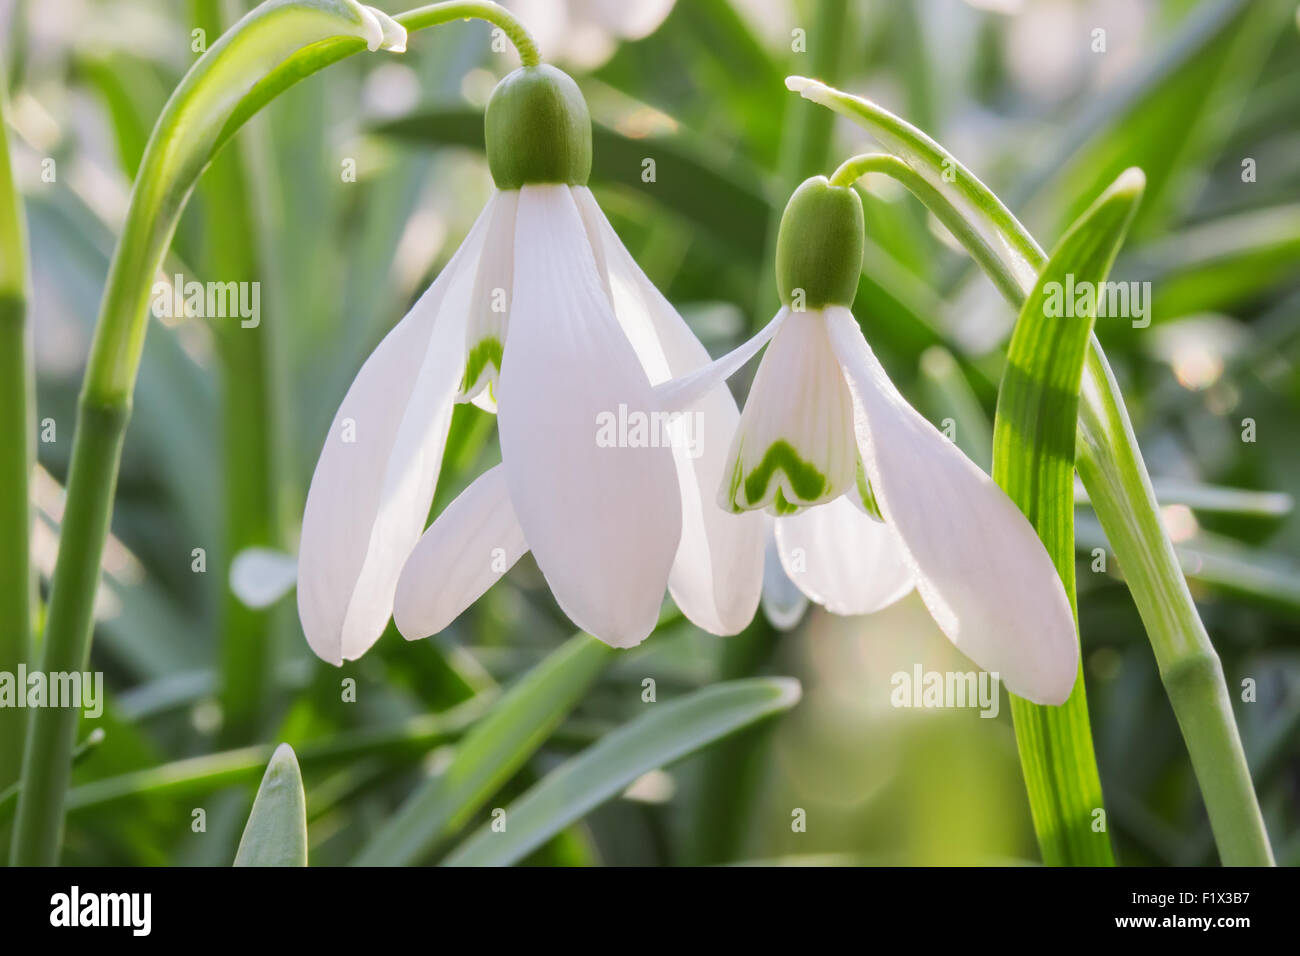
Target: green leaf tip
276	833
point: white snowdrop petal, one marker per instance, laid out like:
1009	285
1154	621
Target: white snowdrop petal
717	575
375	478
844	560
795	444
680	394
602	517
466	550
979	567
489	309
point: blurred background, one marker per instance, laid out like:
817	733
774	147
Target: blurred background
1046	100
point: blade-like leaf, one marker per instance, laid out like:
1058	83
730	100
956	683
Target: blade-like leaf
663	736
490	754
1033	461
276	833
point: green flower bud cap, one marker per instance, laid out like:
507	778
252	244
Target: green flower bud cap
819	245
538	129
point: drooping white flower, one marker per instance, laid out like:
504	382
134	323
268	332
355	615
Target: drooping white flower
542	315
871	499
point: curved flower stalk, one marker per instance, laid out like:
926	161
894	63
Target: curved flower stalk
870	499
543	316
273	46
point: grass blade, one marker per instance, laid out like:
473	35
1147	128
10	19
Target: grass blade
666	734
1033	461
490	754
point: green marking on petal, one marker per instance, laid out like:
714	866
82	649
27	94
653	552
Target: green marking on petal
487	352
867	496
782	506
806	481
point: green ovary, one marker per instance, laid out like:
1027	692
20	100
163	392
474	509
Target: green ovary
806	482
487	352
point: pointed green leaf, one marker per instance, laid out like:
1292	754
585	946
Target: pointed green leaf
1033	461
276	833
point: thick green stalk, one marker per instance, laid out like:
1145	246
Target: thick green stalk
274	46
1115	475
17	450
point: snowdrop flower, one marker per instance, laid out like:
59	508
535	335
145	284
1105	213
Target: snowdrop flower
871	500
543	315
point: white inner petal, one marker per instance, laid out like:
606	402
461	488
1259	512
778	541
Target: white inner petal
795	445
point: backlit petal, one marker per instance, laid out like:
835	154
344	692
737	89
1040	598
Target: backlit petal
717	575
979	567
370	494
466	550
844	560
595	491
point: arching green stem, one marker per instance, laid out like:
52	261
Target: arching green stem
974	241
274	46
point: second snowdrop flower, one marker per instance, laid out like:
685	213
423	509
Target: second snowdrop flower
542	316
871	500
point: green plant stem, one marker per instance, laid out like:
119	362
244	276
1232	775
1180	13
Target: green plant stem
17	450
278	43
1115	475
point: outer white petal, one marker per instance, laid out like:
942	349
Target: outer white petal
842	559
603	522
718	572
680	394
980	568
466	550
375	478
795	444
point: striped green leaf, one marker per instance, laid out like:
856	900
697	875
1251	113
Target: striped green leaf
1033	461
